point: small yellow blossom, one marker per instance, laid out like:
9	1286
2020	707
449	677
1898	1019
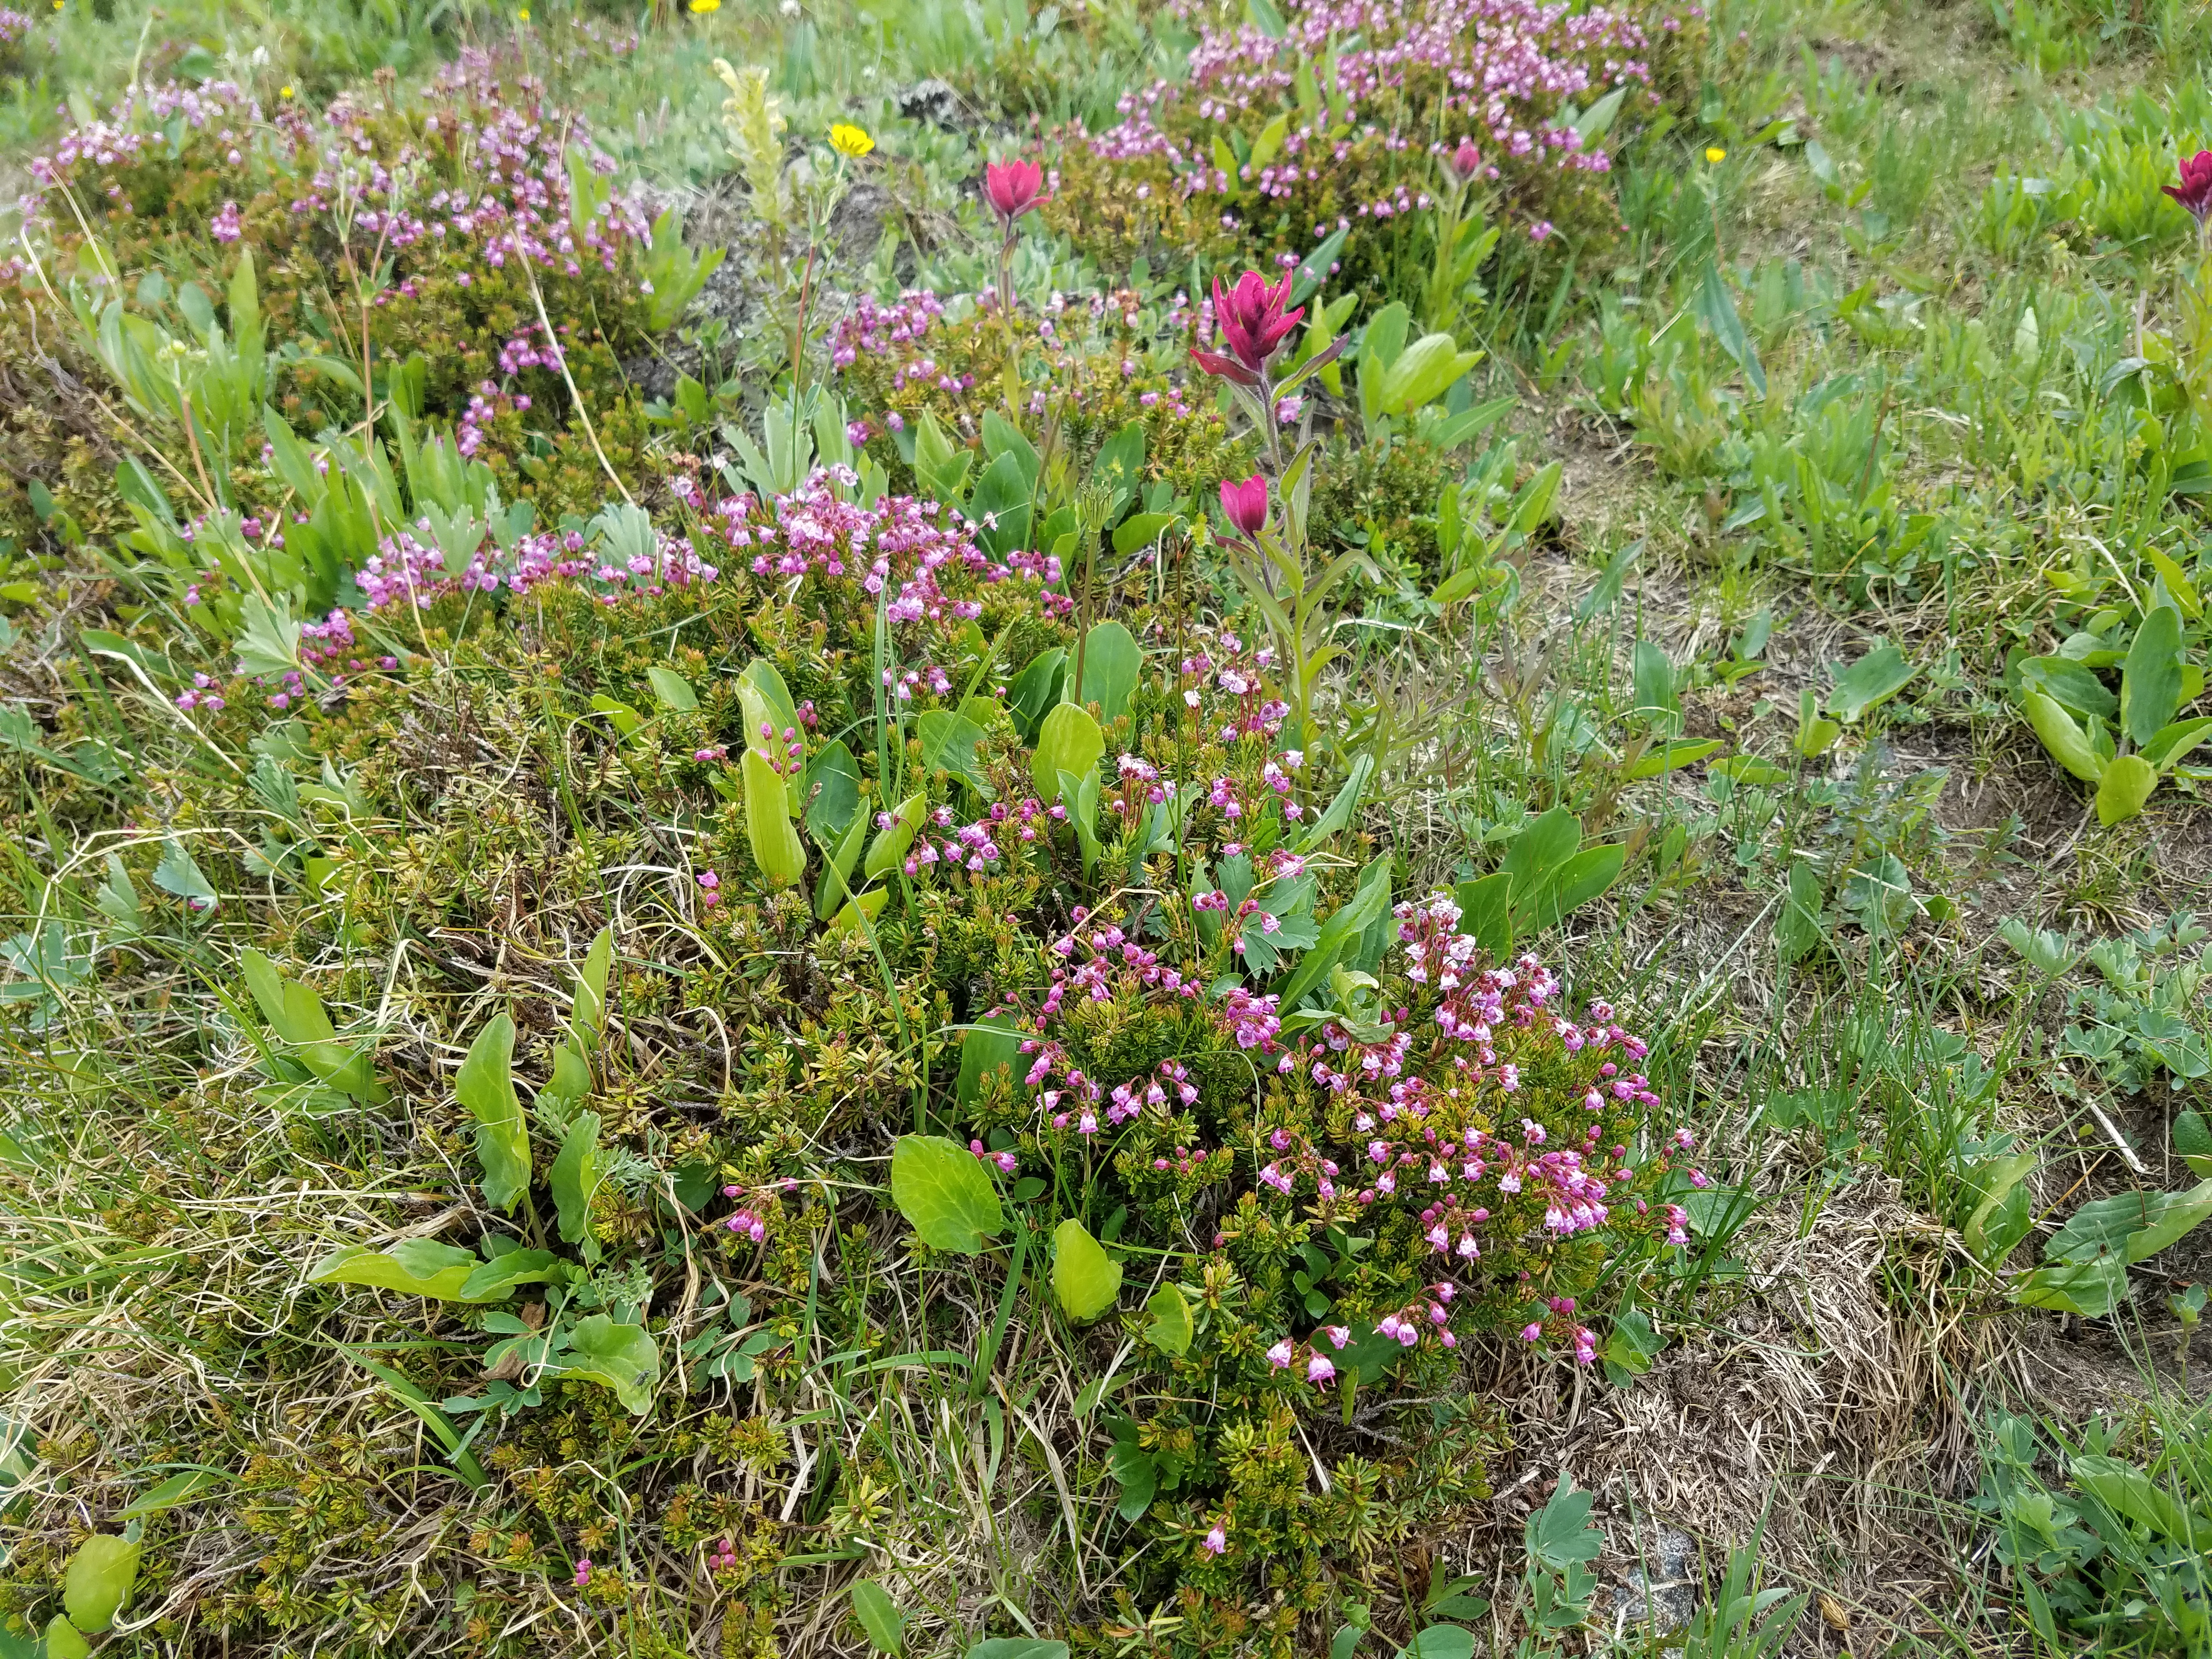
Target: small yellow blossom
1715	154
283	92
848	140
522	15
703	7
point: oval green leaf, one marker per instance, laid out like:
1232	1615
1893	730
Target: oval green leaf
1068	741
944	1191
99	1581
1084	1278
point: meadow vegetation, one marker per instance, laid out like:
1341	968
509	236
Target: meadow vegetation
1145	827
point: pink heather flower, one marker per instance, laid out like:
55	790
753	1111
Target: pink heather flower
2195	190
583	1572
1530	1333
1461	163
1245	505
1216	1542
1280	1355
1012	189
1319	1369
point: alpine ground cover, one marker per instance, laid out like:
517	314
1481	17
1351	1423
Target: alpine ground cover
1143	830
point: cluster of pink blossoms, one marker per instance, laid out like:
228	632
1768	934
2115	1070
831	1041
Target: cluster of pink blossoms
405	570
1500	68
481	172
926	556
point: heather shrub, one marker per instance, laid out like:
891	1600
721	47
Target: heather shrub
435	235
1344	118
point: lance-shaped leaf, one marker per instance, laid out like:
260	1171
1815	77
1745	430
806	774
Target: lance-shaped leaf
485	1084
575	1178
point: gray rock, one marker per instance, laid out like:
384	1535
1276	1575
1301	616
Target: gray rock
1659	1593
933	102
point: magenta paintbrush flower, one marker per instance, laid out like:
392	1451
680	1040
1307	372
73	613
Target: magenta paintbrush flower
2195	190
1245	505
1252	318
1012	188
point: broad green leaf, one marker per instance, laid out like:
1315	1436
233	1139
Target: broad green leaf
1139	1479
1675	754
948	744
2090	1289
1582	878
2126	785
294	1012
485	1084
624	719
2192	1142
888	848
1171	1329
672	688
775	842
496	1279
589	1017
1001	436
1597	120
575	1177
64	1641
177	1489
1084	1278
1139	530
1998	1182
415	1266
864	908
944	1192
99	1580
1657	702
2134	1496
832	792
1540	850
1036	690
1112	664
2072	685
622	1357
2068	743
880	1618
1486	912
2174	743
1717	306
1001	505
2179	1215
986	1046
1068	741
1423	373
1871	681
2129	1227
1440	1642
1797	929
2150	679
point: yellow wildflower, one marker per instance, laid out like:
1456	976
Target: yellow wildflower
703	7
1715	154
848	140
